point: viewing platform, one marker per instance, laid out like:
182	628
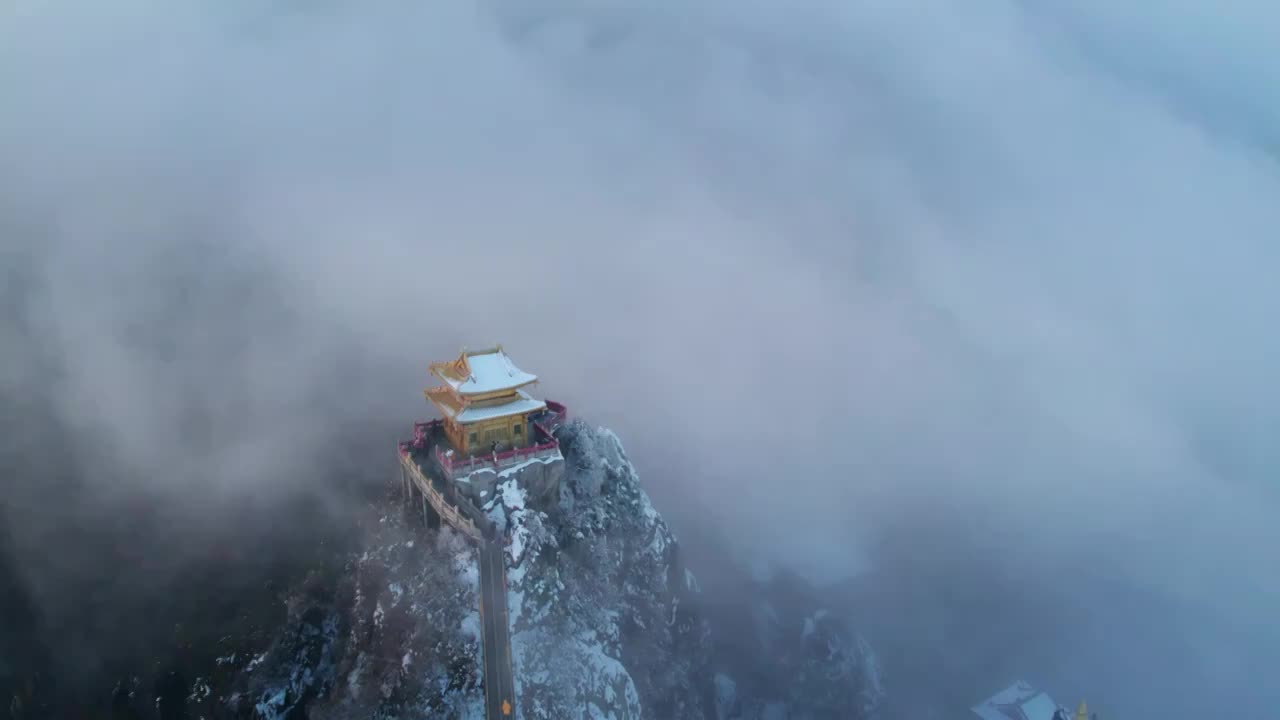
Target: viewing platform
445	481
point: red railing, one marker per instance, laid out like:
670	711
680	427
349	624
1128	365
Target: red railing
492	460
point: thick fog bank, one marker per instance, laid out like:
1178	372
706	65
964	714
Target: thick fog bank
846	269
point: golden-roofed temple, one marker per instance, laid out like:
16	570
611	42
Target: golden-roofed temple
482	402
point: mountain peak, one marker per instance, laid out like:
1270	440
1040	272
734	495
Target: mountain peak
605	620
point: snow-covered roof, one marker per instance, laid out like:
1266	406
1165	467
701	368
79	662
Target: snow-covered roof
1019	701
482	372
524	403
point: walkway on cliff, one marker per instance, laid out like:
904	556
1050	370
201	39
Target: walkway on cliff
499	684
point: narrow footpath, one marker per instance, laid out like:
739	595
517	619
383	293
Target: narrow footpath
499	685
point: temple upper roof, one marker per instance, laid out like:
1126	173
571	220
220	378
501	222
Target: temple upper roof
482	372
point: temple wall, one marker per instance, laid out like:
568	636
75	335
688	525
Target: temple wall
500	429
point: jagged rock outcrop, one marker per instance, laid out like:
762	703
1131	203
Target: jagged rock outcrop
604	615
540	478
833	671
397	635
793	660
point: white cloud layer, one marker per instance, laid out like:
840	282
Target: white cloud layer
849	262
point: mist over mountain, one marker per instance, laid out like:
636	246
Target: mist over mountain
959	316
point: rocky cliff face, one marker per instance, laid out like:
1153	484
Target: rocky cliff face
606	622
539	478
388	632
818	669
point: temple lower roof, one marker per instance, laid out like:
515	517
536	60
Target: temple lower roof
525	403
